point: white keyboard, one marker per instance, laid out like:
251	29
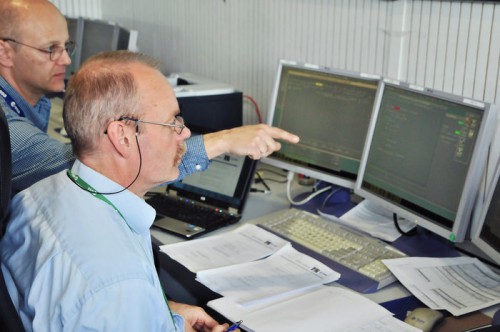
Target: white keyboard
355	255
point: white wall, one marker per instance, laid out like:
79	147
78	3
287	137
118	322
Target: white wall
452	46
75	8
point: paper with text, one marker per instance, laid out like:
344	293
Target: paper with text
286	271
459	285
374	220
322	309
244	244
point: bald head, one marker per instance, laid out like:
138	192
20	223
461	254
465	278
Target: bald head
17	15
27	29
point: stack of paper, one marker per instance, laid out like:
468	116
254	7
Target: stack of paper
250	265
272	287
245	244
286	272
460	285
322	309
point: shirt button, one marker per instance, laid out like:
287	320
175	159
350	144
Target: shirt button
198	167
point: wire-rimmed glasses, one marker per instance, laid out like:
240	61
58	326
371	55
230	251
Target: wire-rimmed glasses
54	51
178	123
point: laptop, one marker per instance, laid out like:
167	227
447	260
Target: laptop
205	201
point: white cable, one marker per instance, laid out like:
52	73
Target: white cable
308	198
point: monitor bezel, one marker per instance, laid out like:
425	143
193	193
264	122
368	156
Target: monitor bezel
298	168
462	219
479	219
77	38
87	41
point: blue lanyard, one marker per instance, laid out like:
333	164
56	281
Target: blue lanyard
12	104
82	184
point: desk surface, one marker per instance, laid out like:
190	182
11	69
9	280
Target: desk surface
260	204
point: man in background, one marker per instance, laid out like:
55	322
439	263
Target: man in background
34	52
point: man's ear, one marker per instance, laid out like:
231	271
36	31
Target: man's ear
6	54
122	138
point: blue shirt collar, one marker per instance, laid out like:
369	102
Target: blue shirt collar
138	214
38	114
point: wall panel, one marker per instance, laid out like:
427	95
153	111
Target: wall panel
447	45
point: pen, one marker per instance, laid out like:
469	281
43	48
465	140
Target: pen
234	326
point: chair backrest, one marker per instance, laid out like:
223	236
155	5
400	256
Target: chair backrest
5	170
9	318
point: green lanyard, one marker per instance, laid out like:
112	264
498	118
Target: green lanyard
87	187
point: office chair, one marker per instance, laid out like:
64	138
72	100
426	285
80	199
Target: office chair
9	318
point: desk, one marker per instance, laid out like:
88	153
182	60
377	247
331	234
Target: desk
258	205
179	282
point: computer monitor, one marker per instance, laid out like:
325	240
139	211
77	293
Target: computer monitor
330	110
424	156
75	30
100	36
485	228
123	39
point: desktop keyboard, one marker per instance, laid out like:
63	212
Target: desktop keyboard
356	256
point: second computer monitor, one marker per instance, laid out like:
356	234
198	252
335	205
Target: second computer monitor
75	30
100	36
485	228
424	156
330	111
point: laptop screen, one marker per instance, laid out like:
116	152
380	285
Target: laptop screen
224	184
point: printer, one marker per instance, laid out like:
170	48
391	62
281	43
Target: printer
207	105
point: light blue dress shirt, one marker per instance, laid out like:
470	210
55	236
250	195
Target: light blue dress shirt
73	264
36	155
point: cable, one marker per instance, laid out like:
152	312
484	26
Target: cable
262	181
119	191
281	174
308	198
327	198
257	110
396	223
255	190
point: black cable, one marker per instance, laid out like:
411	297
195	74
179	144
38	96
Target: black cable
272	171
274	180
396	223
135	179
270	179
262	181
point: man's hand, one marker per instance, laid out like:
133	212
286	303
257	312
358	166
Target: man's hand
196	319
255	141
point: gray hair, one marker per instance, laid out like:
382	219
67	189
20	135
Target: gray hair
103	90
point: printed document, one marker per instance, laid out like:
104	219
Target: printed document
245	244
321	309
286	271
374	220
459	285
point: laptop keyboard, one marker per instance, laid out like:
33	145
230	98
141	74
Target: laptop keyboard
342	249
189	212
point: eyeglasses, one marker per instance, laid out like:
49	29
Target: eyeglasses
55	51
177	127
